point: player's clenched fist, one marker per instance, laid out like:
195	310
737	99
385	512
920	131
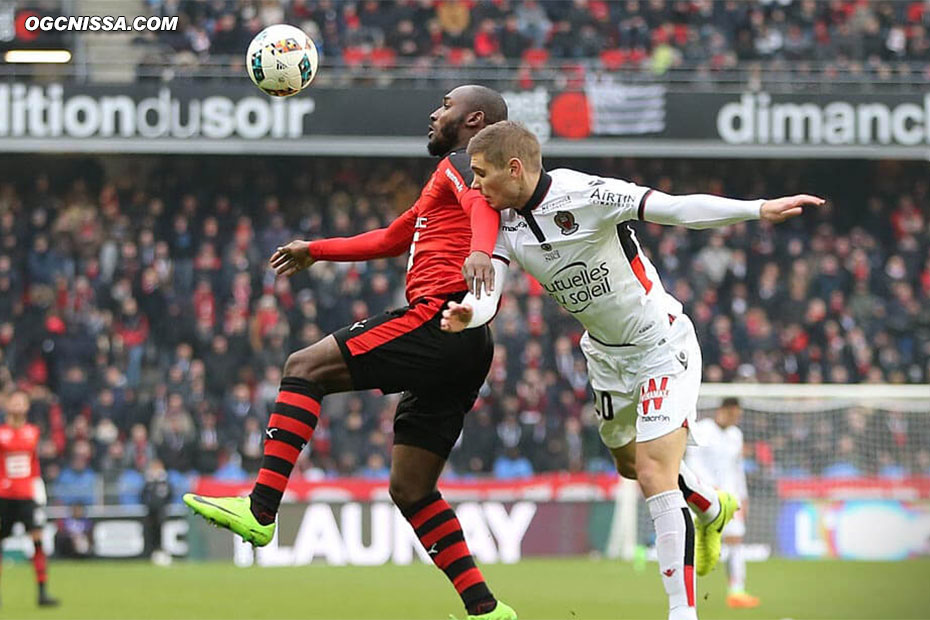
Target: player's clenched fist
781	209
456	317
291	258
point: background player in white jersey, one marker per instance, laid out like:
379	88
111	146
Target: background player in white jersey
569	230
719	460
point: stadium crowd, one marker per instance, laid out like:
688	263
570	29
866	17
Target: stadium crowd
137	307
860	39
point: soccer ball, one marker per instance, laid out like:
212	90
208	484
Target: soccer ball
282	60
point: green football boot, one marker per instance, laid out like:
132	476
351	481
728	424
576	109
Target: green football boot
707	540
232	513
502	611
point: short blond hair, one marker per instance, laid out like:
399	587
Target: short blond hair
506	140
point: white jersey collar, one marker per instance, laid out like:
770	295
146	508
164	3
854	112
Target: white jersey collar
539	194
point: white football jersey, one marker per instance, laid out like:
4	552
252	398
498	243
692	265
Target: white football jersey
574	237
719	458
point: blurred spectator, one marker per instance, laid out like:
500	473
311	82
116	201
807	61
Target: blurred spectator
175	441
512	464
77	482
74	538
208	448
375	468
139	451
156	495
237	409
251	446
822	36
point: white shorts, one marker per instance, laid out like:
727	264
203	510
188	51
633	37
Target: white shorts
644	393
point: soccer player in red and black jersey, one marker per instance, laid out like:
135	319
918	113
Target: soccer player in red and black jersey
401	350
19	481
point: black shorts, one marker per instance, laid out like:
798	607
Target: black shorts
14	511
404	350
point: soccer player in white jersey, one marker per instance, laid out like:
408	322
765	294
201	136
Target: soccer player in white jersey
719	460
570	231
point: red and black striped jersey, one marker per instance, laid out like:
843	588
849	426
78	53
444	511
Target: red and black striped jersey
437	230
19	461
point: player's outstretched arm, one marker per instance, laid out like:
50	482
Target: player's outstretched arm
291	258
380	243
700	211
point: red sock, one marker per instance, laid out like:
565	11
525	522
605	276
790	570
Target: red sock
290	428
39	562
439	531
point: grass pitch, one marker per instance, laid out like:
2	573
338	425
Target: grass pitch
570	589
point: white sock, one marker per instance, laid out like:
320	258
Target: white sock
736	568
675	549
700	496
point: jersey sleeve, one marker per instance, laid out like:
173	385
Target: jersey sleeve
456	173
381	243
628	201
696	211
621	199
485	226
501	252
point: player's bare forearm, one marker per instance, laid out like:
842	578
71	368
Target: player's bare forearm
479	273
778	210
456	317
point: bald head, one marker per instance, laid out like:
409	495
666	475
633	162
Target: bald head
483	99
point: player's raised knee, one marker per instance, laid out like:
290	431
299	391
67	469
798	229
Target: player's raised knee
320	363
300	364
627	470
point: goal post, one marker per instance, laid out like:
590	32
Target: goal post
833	471
839	471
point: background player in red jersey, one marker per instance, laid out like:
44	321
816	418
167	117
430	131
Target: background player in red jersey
401	350
19	478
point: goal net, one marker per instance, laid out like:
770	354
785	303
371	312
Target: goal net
840	471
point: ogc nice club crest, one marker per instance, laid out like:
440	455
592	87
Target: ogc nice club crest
566	222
